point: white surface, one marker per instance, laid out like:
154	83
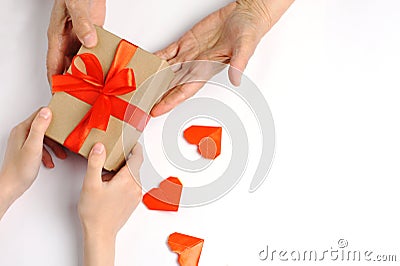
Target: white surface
329	70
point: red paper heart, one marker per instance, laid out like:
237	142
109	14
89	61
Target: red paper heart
207	139
187	247
166	197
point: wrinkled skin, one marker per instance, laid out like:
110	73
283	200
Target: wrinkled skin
229	35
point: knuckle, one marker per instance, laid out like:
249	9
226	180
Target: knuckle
140	160
137	192
82	21
14	132
133	188
49	32
18	129
181	93
125	186
82	25
80	209
72	4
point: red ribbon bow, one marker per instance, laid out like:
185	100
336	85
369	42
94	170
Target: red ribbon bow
91	88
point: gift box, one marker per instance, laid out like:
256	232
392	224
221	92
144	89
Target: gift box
106	96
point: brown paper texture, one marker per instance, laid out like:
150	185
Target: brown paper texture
120	137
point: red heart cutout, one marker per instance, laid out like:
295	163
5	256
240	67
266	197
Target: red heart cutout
166	197
187	247
207	139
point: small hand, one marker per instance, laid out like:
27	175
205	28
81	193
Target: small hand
22	158
106	203
229	35
72	24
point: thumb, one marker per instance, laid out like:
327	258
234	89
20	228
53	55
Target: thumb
34	141
83	27
241	54
97	158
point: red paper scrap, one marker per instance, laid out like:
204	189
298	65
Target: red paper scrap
166	197
187	247
207	139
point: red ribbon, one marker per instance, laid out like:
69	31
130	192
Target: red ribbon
101	94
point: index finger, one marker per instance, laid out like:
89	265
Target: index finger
55	55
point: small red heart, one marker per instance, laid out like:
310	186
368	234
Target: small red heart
187	247
207	139
166	197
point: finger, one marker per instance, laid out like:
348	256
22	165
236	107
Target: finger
83	26
175	97
168	53
187	81
134	164
34	141
55	54
56	148
168	102
136	160
157	109
183	57
54	60
188	48
96	160
241	54
46	159
132	168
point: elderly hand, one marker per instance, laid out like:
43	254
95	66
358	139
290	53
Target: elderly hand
229	35
72	24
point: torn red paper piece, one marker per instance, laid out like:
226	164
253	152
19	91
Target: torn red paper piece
207	139
187	247
166	197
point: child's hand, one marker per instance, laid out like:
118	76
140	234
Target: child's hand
23	156
105	206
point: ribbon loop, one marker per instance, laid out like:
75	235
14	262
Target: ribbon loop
91	88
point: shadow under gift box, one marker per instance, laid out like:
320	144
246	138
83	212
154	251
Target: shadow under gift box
119	137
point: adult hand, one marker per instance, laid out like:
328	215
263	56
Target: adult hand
229	35
72	24
106	203
22	158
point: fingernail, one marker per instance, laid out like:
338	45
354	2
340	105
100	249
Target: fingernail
98	148
89	40
44	113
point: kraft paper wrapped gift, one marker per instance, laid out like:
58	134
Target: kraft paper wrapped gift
106	96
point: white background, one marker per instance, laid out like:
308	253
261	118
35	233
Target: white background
329	71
